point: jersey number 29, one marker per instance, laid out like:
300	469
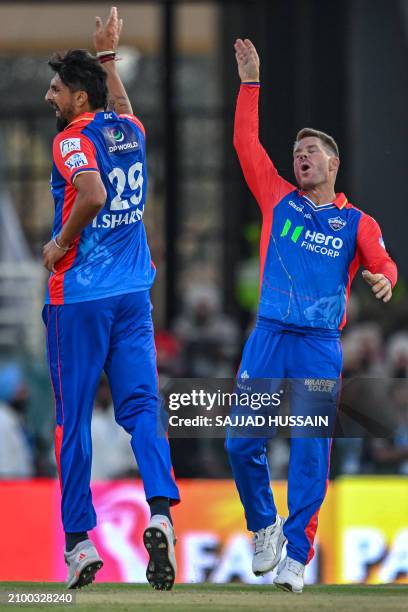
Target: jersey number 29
135	179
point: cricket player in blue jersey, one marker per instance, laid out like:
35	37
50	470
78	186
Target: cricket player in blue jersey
312	244
98	309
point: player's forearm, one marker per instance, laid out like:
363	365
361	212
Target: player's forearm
389	269
118	98
246	124
84	210
386	266
373	254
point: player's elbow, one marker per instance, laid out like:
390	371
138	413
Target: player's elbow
91	191
244	146
100	198
242	151
97	198
242	133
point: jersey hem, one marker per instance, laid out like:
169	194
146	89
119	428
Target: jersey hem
265	322
94	297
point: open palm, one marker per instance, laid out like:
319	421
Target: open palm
247	60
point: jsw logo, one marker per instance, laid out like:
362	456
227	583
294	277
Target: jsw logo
313	241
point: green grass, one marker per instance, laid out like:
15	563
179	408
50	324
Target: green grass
221	598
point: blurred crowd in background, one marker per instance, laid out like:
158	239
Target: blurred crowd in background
205	342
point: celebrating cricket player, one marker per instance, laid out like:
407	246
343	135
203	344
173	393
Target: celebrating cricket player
98	310
312	244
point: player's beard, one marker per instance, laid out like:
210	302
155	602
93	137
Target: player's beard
61	123
64	117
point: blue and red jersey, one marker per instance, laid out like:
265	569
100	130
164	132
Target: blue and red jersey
110	256
309	254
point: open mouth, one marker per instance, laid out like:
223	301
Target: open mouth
305	167
57	110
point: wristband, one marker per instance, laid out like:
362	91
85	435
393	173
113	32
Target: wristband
65	249
107	58
103	53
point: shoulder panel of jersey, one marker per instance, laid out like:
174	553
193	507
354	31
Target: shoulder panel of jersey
74	152
134	120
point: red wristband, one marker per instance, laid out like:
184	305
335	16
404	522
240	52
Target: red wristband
107	58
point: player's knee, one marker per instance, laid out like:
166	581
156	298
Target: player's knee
126	421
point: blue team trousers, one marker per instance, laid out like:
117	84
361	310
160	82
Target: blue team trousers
114	334
275	352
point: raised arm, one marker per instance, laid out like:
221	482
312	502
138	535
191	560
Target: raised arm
260	173
106	39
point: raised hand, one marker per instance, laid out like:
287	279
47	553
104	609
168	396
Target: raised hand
247	60
380	285
106	36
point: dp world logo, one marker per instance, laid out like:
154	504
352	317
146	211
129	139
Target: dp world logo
121	140
295	233
117	135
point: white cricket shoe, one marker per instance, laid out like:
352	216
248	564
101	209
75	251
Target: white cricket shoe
290	576
268	544
83	562
159	541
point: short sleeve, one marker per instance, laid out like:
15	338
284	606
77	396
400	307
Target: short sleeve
73	155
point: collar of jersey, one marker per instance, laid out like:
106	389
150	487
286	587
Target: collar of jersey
340	202
84	117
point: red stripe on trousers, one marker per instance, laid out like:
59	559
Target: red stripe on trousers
59	434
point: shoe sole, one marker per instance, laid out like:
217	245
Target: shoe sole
276	561
285	586
159	573
87	575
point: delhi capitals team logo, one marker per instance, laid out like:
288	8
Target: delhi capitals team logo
337	223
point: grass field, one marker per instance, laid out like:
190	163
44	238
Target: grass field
220	598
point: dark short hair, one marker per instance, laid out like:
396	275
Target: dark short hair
327	140
79	70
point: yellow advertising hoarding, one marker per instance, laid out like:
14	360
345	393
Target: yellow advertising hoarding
372	529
